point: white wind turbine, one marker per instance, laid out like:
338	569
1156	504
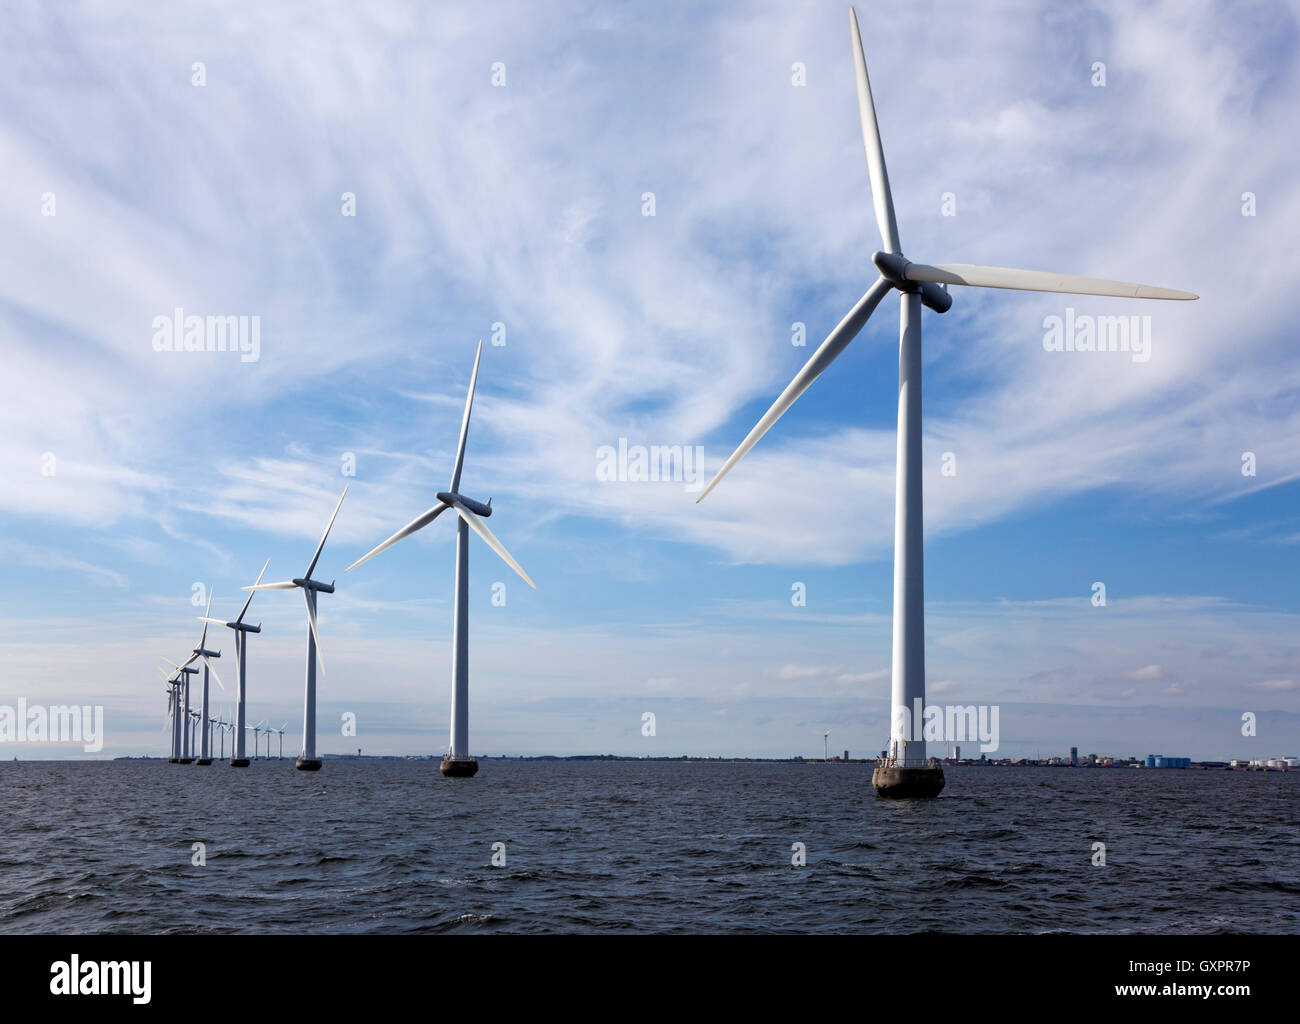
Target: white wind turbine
906	771
307	760
457	763
172	721
240	628
182	678
257	733
205	750
280	733
174	683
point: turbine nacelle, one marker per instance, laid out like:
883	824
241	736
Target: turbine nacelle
477	507
310	584
893	268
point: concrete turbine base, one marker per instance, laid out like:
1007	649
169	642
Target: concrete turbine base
203	760
185	760
897	782
239	762
307	764
458	767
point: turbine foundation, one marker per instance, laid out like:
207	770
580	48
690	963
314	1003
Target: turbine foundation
901	782
239	762
307	764
458	767
203	760
185	760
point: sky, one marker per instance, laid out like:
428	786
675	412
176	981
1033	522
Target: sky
383	185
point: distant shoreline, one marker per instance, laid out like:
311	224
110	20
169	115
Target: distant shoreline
999	763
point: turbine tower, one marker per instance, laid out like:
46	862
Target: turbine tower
240	627
905	771
307	760
457	763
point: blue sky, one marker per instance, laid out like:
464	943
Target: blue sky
522	205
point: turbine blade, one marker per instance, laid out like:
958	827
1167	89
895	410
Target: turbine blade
311	619
834	344
478	526
329	526
213	669
418	523
881	198
283	585
1035	281
240	617
203	641
464	423
204	618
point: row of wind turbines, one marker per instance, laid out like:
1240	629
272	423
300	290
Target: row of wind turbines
905	771
194	750
457	763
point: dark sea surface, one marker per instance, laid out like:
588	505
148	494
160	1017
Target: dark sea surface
392	846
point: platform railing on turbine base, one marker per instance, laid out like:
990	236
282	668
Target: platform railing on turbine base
907	762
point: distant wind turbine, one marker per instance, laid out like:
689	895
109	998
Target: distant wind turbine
906	772
172	721
173	682
205	750
280	733
457	763
183	714
307	760
240	628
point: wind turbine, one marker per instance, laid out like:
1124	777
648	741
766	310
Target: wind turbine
183	750
826	747
240	627
172	684
906	772
279	732
173	717
205	750
457	763
307	760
